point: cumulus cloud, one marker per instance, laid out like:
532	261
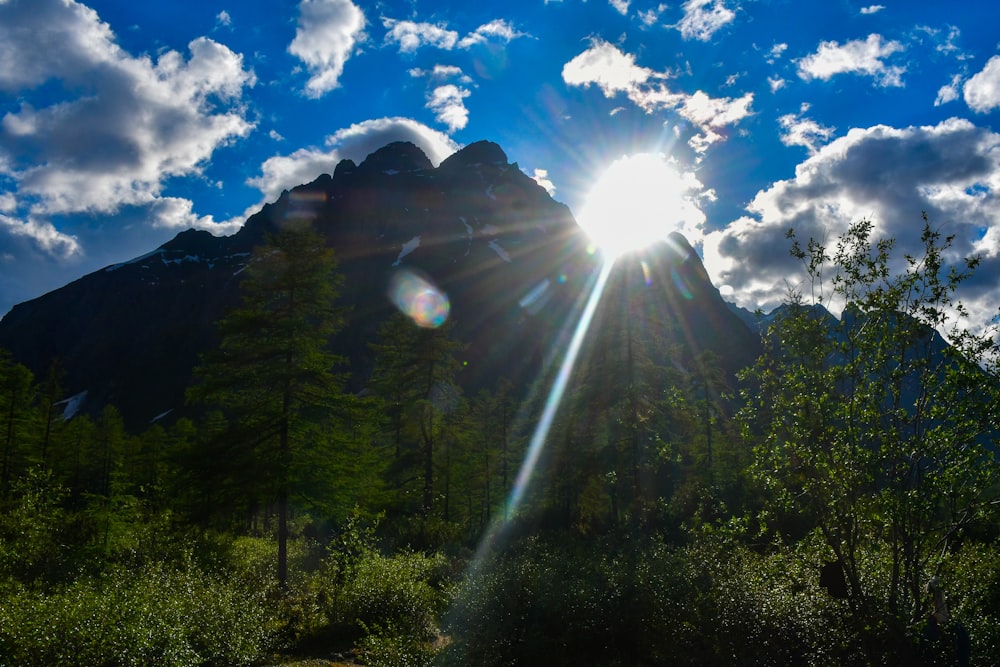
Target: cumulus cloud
800	131
950	170
948	92
410	35
621	6
606	66
496	30
615	72
448	104
541	176
356	142
982	91
325	37
121	125
442	73
858	57
776	52
872	9
43	234
703	18
223	19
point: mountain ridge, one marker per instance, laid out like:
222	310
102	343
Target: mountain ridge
486	234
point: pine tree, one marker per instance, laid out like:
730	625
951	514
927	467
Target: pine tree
273	375
415	378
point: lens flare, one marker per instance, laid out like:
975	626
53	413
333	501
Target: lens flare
419	299
556	393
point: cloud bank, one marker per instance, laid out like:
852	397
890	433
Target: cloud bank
950	170
121	126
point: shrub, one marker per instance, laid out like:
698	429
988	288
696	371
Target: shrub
159	615
401	592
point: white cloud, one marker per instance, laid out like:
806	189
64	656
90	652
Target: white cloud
776	83
703	18
716	112
122	126
496	30
43	234
223	18
326	35
872	9
948	45
541	176
652	15
356	142
859	57
411	35
442	73
799	131
982	91
178	213
776	52
606	66
447	103
950	170
615	72
621	6
948	92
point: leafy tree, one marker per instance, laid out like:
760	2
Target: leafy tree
871	428
273	376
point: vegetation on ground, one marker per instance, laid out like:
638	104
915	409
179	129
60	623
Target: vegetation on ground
838	504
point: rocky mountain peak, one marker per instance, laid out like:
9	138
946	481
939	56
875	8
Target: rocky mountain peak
397	157
344	167
480	152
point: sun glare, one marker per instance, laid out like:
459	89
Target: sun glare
639	199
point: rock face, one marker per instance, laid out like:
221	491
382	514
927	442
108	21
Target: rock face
511	261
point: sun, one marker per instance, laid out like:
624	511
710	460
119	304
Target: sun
638	200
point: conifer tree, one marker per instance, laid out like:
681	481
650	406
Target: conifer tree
273	375
416	377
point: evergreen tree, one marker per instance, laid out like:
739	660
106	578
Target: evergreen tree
415	377
16	405
273	375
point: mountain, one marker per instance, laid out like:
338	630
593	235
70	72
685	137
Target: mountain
511	261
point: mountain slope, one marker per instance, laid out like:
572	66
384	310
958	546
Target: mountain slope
511	261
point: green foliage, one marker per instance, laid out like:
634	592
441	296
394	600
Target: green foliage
33	529
159	615
713	602
388	646
402	592
872	429
273	379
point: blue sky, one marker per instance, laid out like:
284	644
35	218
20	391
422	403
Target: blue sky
124	122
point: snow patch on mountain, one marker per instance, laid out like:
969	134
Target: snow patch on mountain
498	249
408	247
72	404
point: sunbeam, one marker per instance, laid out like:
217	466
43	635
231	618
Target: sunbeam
556	393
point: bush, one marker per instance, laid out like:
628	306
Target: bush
643	602
160	615
973	594
401	592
